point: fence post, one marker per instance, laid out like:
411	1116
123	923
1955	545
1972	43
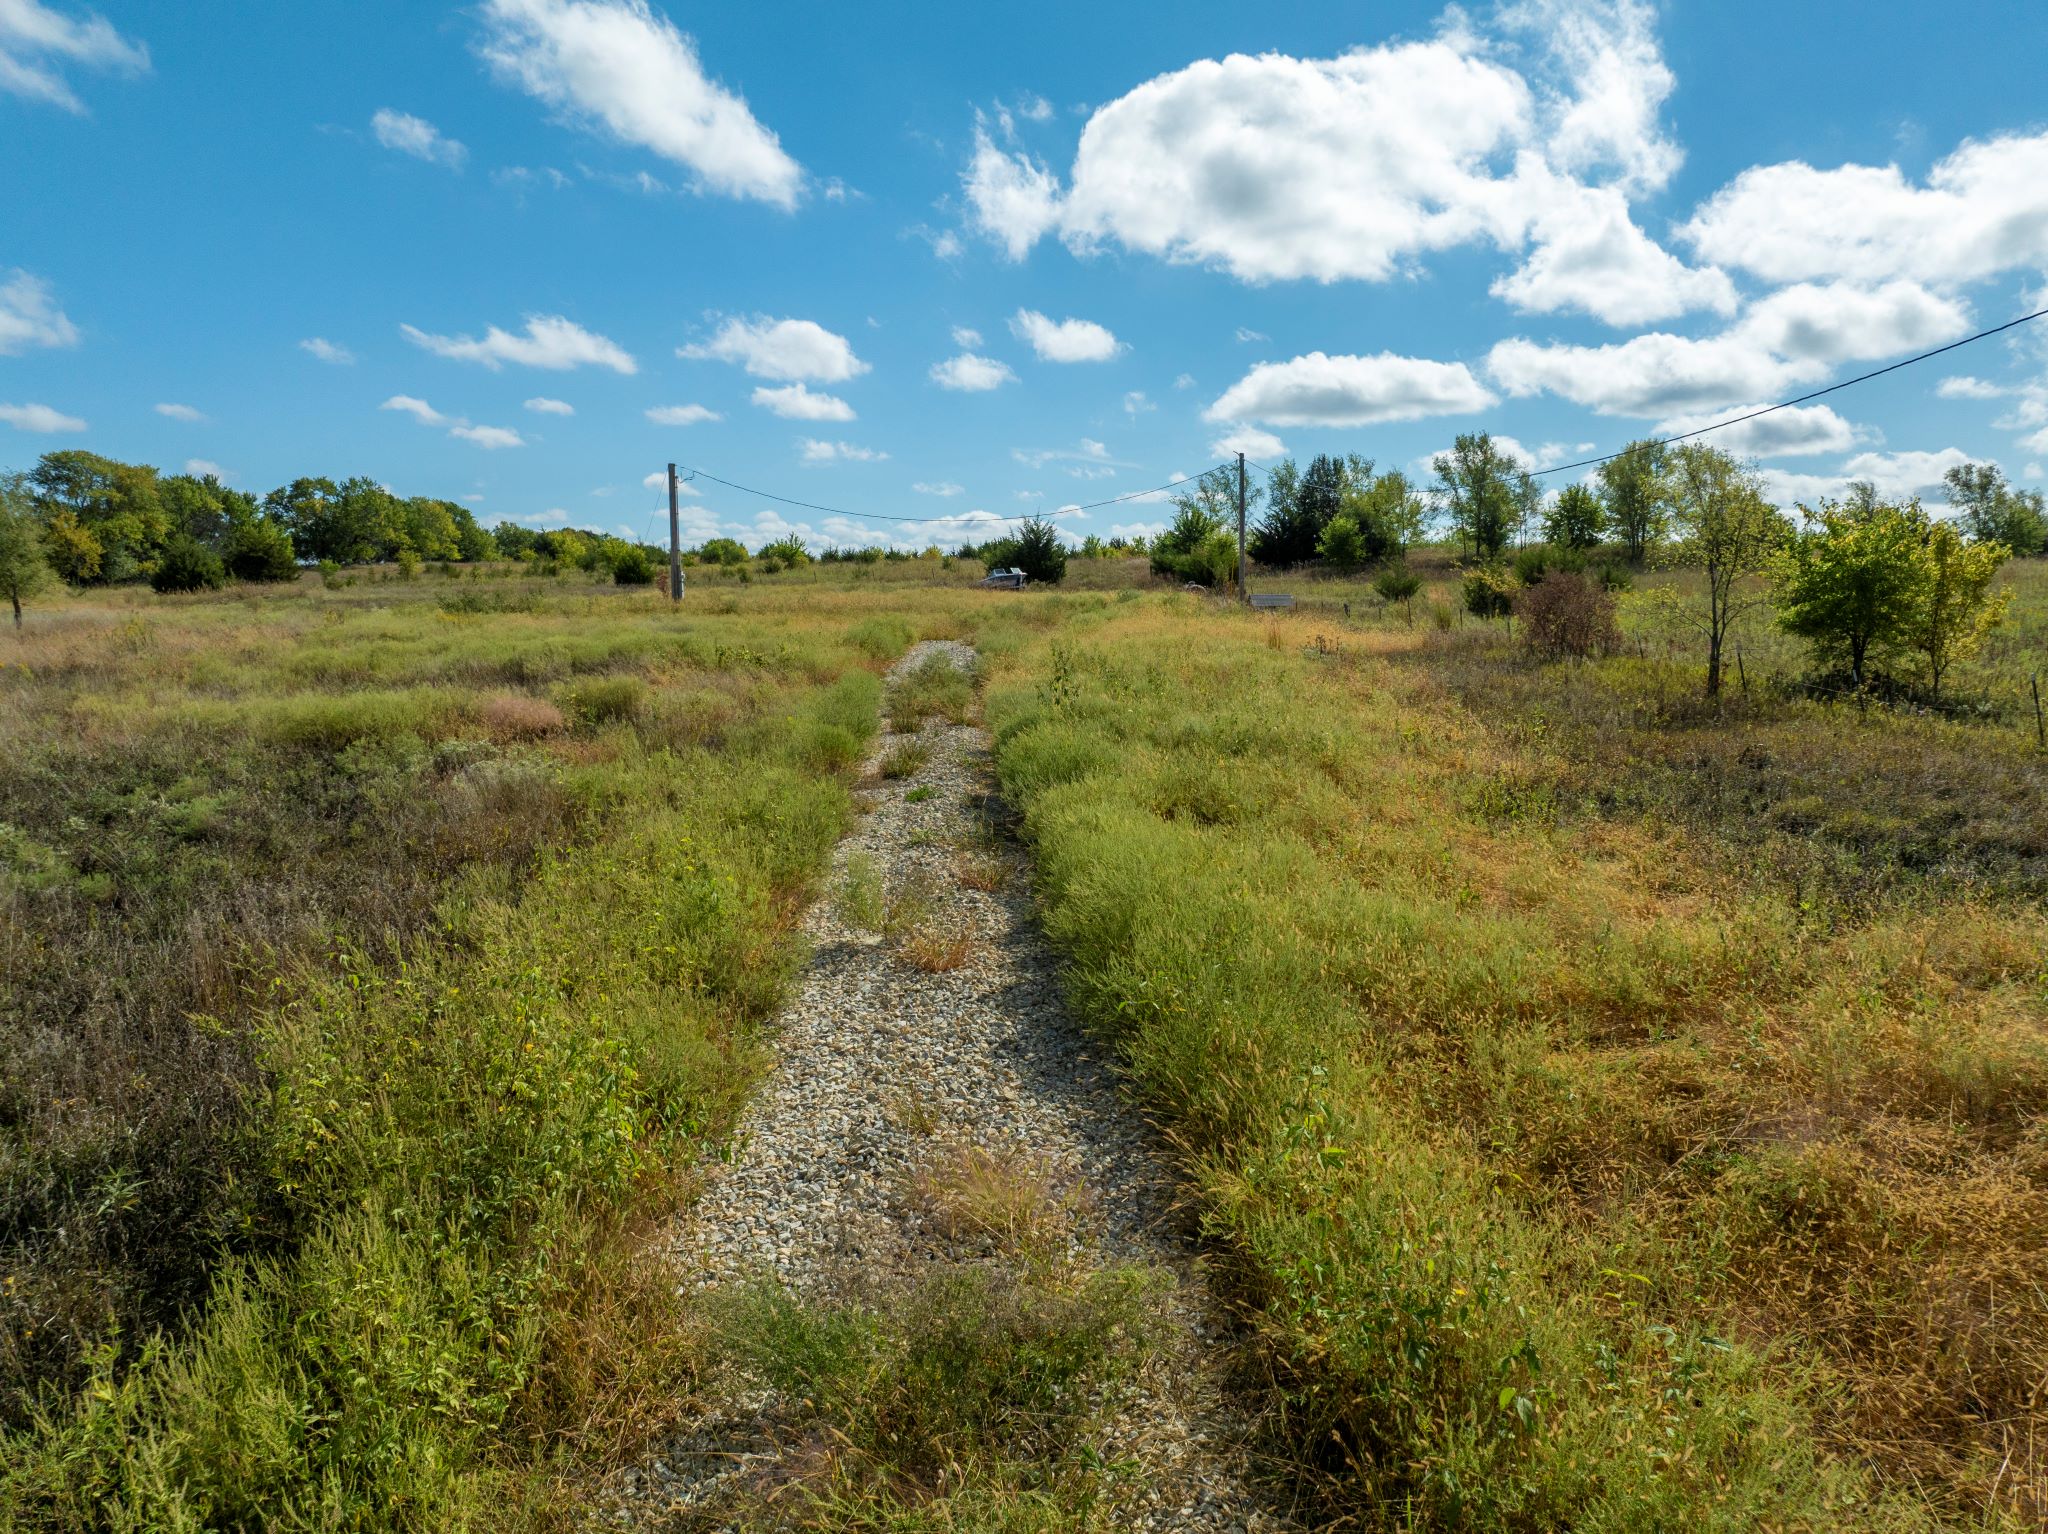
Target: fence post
2040	728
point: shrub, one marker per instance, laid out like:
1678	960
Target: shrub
1490	591
1397	583
633	568
1569	614
1342	544
518	716
258	549
1039	553
880	638
188	565
785	553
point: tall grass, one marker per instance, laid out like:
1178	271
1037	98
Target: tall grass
1575	1178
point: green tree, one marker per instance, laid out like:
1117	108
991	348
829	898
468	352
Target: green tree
1729	530
1576	519
256	548
74	549
187	565
1852	583
1635	495
1389	514
1040	553
24	569
1203	512
633	567
1957	605
1398	583
1481	488
120	504
516	542
1993	511
723	551
1343	544
789	549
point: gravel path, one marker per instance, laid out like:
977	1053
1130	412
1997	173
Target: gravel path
884	1067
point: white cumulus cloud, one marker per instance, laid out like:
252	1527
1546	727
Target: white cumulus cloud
1250	441
1843	322
492	437
39	418
971	373
944	487
37	42
795	402
542	405
1067	340
551	342
1320	390
681	415
180	413
815	450
417	137
29	315
1795	430
418	409
617	67
781	349
1896	476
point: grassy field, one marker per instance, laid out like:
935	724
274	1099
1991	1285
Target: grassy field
374	959
1618	1111
1614	1111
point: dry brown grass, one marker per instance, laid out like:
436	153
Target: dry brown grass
935	952
516	716
1002	1201
982	872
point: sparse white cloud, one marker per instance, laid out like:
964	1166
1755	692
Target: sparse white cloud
1247	336
39	418
620	69
966	338
418	409
815	450
658	480
1982	210
417	137
327	351
681	415
1015	199
1966	387
199	468
794	402
1068	340
787	350
551	342
971	373
1136	404
1034	108
36	43
181	413
1320	390
492	437
944	487
1089	454
1791	432
1184	380
1250	441
29	316
542	405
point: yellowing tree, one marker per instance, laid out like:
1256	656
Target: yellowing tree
1958	606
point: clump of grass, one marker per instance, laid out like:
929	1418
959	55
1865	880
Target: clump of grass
905	759
981	871
859	896
958	1401
933	951
880	638
920	794
978	1198
520	717
598	701
934	689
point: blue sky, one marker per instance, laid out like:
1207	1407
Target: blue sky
973	261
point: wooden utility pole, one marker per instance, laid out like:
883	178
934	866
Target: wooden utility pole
675	541
1242	594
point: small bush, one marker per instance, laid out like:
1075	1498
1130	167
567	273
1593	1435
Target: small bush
1569	614
1490	591
605	700
880	638
633	568
188	565
906	759
517	716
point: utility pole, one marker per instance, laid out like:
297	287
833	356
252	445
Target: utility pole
675	541
1242	594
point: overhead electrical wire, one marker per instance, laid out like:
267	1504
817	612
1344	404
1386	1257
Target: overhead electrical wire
958	520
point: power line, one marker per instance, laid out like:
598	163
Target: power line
1701	431
958	520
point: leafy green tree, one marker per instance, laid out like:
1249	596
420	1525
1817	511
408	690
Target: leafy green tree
1635	496
1576	519
1481	487
198	508
1298	508
1729	530
120	504
1040	553
257	548
187	565
1386	508
514	541
633	567
1203	512
1853	581
472	542
24	569
1957	605
723	551
1398	583
1343	543
74	549
789	549
1994	511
